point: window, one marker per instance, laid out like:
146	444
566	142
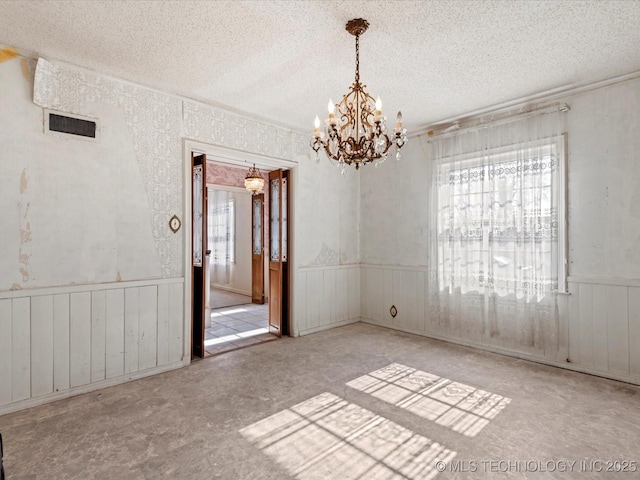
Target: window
222	231
501	222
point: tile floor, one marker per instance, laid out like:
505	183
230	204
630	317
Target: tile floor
236	327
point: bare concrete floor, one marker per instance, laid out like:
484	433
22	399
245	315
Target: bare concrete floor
357	402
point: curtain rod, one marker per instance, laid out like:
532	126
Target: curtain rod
490	120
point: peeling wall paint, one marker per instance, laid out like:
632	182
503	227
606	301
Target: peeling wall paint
79	209
28	68
8	53
23	181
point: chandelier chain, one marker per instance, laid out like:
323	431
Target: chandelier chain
357	58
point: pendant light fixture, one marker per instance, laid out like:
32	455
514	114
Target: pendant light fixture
357	132
253	181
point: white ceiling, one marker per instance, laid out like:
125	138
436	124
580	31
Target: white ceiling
282	60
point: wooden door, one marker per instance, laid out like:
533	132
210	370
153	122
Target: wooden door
257	249
199	243
278	256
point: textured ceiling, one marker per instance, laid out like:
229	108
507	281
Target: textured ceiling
282	60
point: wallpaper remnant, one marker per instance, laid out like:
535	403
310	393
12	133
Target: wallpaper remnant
154	121
326	258
157	123
208	124
226	175
24	254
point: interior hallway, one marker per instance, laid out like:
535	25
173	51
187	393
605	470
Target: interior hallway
328	419
237	326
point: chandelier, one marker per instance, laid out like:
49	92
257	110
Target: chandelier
357	134
253	181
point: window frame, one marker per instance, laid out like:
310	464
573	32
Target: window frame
503	154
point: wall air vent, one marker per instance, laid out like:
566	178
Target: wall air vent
69	125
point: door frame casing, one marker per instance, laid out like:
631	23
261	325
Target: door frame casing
236	158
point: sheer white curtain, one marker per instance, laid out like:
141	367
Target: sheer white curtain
221	232
497	242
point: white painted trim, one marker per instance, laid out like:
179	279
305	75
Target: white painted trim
563	217
604	280
313	268
188	248
294	272
635	380
383	266
236	157
87	287
231	156
329	326
90	387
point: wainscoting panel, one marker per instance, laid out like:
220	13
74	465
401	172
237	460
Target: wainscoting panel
6	353
598	329
634	331
61	315
403	288
327	297
55	344
114	331
21	334
41	345
98	335
605	320
80	338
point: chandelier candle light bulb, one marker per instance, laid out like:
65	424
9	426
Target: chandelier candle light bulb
332	113
358	133
316	125
378	117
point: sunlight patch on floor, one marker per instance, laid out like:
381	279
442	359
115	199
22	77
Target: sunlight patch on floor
463	408
228	312
329	438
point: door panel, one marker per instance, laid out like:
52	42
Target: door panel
278	265
257	249
199	238
275	248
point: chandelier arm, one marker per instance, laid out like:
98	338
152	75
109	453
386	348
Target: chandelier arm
329	153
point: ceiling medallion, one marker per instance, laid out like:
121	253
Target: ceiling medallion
254	181
357	134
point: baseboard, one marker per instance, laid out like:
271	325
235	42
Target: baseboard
72	392
634	380
231	289
329	326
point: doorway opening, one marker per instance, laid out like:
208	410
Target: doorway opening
239	282
239	314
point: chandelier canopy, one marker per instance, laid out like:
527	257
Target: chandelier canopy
253	181
357	134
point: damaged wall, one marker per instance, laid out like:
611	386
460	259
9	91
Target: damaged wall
92	286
